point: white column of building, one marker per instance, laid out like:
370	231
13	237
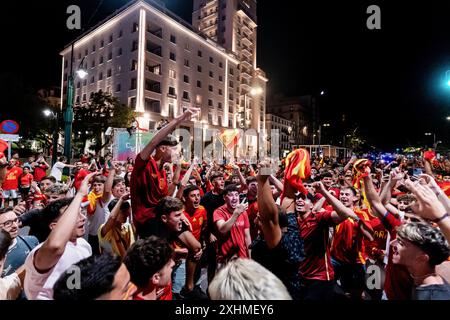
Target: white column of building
140	92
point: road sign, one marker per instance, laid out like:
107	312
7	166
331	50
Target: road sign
9	127
10	137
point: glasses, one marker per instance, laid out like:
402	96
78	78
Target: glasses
9	223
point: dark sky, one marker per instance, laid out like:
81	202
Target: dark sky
388	82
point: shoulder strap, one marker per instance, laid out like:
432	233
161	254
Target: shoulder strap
26	243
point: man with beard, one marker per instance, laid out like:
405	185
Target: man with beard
64	246
148	180
20	246
233	227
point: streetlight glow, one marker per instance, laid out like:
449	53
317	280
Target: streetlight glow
256	91
448	118
47	112
322	93
81	73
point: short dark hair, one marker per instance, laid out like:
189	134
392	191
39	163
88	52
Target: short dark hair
52	212
326	175
352	189
62	158
124	206
5	210
97	278
99	179
189	189
167	205
5	242
215	175
230	188
51	178
146	257
250	180
117	180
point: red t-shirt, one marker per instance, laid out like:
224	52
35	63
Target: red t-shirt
197	220
148	185
314	231
79	177
166	294
25	180
399	283
40	171
233	244
348	242
12	179
375	249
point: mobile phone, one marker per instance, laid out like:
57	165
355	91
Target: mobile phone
417	171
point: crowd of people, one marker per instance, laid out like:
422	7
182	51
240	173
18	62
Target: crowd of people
157	228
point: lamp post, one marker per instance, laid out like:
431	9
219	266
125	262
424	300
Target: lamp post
68	112
54	117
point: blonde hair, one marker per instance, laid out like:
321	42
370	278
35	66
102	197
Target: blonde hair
245	279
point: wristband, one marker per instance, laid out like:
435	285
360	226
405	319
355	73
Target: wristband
441	218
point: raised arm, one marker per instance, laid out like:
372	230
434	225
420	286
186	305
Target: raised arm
225	226
112	220
374	199
107	190
277	183
237	171
268	211
165	131
53	248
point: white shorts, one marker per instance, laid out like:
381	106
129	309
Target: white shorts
10	194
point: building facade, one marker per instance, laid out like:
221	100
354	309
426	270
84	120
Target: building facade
285	129
160	65
300	111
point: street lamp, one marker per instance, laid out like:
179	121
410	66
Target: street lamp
54	117
448	118
68	113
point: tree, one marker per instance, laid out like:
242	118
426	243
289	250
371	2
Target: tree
92	119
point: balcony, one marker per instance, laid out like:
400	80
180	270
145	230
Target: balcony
154	48
205	27
246	41
153	86
246	27
247	64
208	15
246	51
155	30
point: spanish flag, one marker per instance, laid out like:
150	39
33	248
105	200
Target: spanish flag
445	186
298	168
359	173
229	137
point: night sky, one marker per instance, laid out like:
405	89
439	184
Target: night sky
387	82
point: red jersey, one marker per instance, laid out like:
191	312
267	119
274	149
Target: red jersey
79	177
348	242
26	180
375	249
148	185
197	220
399	283
165	294
314	230
233	244
40	171
12	178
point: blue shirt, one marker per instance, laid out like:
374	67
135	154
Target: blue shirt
16	255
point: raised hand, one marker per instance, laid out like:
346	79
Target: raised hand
318	186
84	187
189	113
264	170
241	208
427	205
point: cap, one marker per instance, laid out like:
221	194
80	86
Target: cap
170	140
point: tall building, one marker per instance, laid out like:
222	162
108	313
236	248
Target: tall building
300	111
159	64
285	133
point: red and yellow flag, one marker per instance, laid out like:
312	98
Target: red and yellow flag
229	137
298	168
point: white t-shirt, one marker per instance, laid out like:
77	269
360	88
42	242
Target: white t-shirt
101	214
57	170
39	286
10	287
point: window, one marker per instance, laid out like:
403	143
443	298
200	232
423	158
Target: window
93	48
84	97
78	99
231	84
220	65
118	87
172	74
134	46
199	68
109	73
231	97
199	84
152	85
211	74
186	46
110	38
210	118
133	84
220	78
220	120
110	56
210	103
210	88
219	105
224	17
199	53
186	63
134	65
171	110
86	52
220	92
186	95
231	71
172	92
156	69
173	57
173	39
230	123
84	82
101	60
93	64
135	27
186	79
79	56
78	84
120	34
211	59
102	44
100	76
119	52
